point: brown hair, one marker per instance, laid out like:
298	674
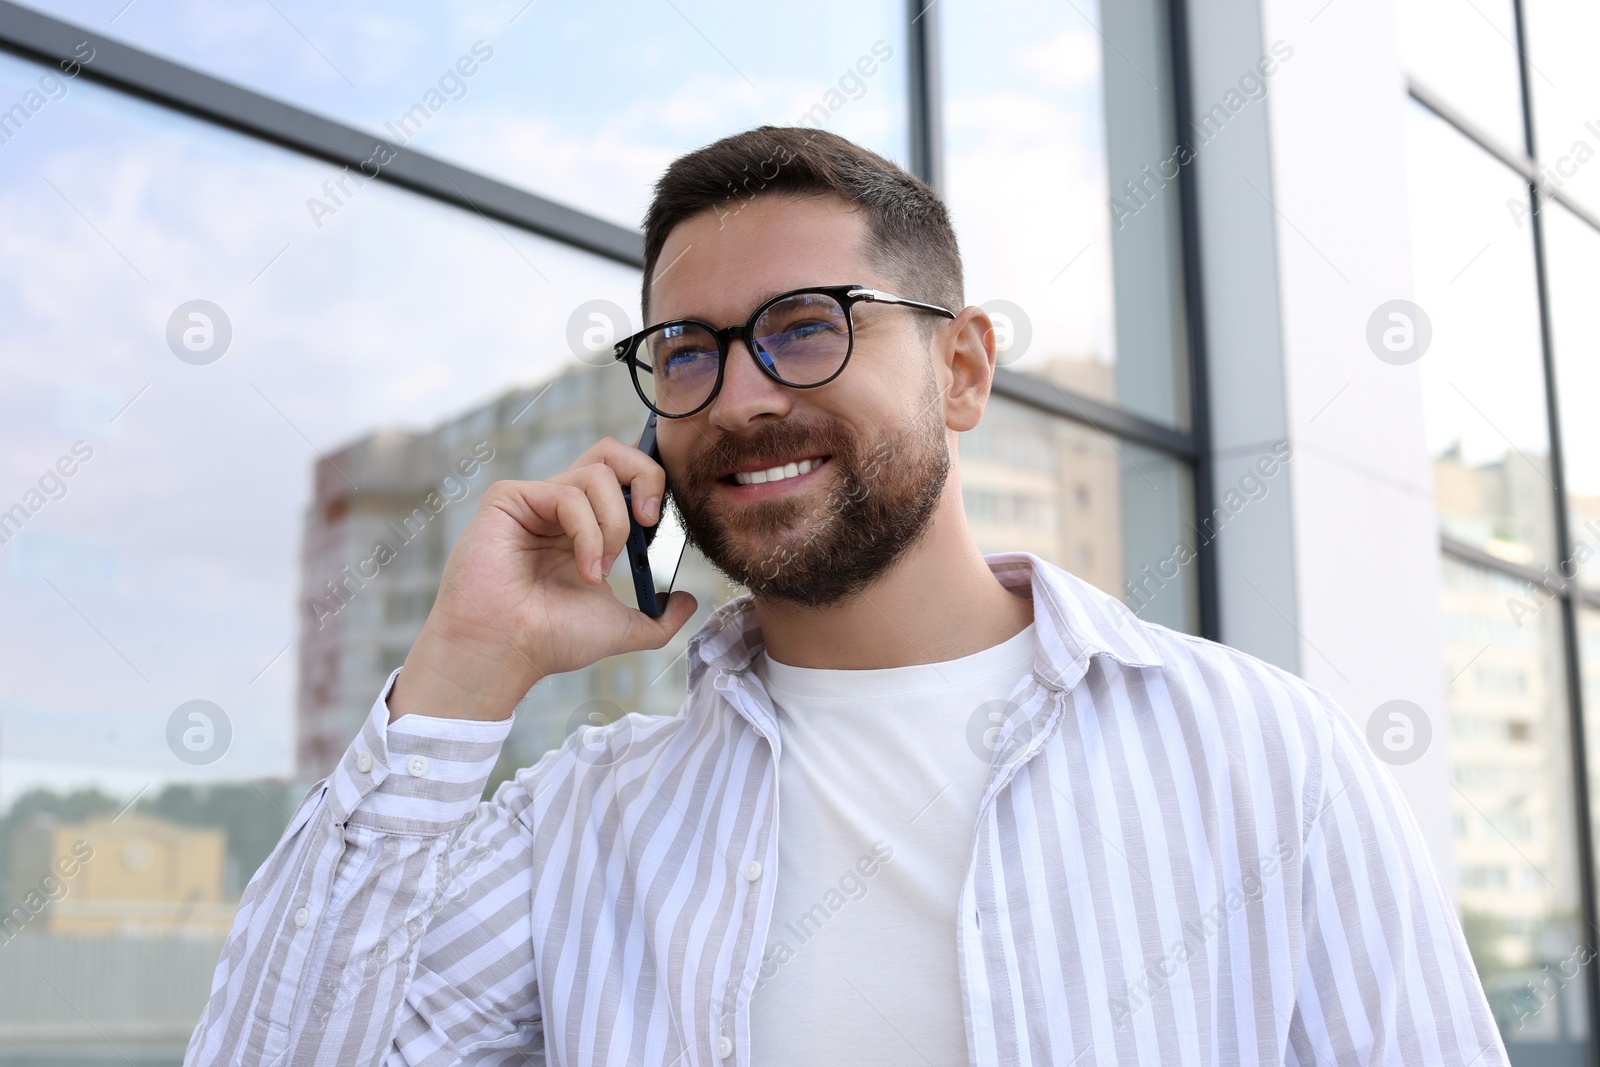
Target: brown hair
911	239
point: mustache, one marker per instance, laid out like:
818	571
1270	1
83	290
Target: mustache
777	441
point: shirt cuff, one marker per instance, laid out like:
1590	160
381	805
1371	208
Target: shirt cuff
421	774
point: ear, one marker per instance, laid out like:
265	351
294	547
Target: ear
964	351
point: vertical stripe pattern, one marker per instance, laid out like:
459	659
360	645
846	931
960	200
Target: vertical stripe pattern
1182	856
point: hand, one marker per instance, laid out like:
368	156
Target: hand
524	593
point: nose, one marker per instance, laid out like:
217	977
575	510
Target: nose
747	394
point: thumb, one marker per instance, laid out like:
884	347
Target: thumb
653	633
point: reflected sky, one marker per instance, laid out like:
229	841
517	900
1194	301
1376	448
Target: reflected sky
167	569
583	103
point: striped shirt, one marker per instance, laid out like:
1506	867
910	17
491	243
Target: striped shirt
1182	855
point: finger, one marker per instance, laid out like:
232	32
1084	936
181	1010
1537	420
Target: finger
577	519
599	482
644	477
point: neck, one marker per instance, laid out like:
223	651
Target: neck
939	601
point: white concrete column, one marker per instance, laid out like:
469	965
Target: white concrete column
1334	572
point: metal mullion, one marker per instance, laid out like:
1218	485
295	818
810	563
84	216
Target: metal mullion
40	38
1524	165
1470	553
1207	591
1590	895
1043	395
922	45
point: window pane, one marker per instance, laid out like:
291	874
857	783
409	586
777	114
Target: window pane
1113	513
1565	85
1465	53
1517	882
1572	250
583	103
156	490
1482	375
1060	162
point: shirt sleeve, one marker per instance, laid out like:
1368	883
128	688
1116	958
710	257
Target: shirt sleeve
377	931
1387	976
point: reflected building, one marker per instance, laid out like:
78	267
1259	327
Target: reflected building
1512	802
1502	505
128	876
384	513
1033	483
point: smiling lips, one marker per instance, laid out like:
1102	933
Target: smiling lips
778	479
779	473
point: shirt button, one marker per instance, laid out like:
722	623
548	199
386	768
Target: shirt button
418	766
363	762
752	870
302	917
724	1047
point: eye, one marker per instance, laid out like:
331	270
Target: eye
687	356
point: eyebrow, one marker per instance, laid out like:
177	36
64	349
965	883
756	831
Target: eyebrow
762	299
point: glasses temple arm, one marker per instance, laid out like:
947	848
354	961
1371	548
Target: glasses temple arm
878	296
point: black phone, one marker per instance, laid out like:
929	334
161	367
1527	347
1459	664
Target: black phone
655	551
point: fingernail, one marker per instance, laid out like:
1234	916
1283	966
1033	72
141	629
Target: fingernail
605	564
651	504
594	569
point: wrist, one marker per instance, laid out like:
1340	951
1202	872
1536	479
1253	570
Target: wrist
461	680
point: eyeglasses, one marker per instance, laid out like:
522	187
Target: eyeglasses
802	339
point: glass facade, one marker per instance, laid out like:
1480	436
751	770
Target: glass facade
1507	256
233	369
1061	182
582	104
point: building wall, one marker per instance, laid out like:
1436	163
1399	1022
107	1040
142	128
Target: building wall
1303	230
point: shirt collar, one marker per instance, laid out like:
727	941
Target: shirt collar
1073	622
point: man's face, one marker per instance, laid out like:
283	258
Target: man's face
875	435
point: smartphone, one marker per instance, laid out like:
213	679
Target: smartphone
654	552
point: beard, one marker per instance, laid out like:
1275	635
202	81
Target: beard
880	502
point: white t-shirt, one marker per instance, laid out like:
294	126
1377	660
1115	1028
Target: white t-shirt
879	777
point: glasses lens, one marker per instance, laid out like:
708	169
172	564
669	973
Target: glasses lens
676	367
804	338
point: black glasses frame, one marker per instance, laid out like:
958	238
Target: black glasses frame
848	296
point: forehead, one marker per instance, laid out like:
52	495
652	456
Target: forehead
721	263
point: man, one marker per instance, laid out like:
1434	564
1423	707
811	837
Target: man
1018	825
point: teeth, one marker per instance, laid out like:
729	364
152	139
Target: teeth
776	474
